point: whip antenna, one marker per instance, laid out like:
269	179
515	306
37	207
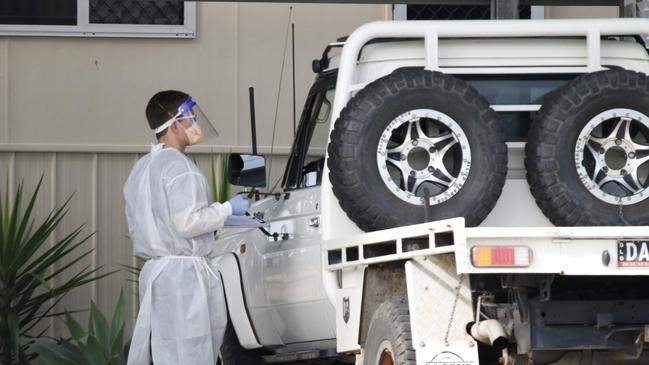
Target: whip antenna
279	89
293	67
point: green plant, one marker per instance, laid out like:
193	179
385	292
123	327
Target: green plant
101	344
220	188
28	265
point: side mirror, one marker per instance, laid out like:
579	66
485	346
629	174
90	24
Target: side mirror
247	170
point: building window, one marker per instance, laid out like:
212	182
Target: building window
457	12
448	12
118	18
39	12
481	10
169	12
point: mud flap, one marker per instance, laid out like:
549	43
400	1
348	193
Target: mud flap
433	286
348	304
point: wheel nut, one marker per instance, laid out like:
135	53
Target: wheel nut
414	142
430	169
605	169
403	157
412	173
431	150
631	155
601	151
618	141
623	172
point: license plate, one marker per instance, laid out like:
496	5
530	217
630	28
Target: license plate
633	253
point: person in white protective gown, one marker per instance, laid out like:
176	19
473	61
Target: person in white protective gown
182	315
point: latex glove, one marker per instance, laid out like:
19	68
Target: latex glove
239	204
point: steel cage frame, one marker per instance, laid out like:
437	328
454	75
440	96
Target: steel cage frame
432	31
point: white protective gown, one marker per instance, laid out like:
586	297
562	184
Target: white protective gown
182	314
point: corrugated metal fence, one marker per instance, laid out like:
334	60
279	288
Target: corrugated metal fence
94	180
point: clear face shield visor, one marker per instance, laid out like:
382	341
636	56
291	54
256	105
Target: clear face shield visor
190	111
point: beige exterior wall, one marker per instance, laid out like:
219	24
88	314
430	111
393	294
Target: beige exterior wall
73	110
92	91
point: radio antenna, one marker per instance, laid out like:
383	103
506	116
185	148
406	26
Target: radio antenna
293	67
279	90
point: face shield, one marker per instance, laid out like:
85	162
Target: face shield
189	110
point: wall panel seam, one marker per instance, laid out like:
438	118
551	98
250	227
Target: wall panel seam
5	102
237	72
52	239
135	302
12	176
93	220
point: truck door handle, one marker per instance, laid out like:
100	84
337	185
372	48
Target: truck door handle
314	222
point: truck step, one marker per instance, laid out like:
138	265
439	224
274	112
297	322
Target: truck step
300	356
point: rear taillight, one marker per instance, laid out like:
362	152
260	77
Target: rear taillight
501	256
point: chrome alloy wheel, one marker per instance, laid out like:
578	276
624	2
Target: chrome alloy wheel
611	154
421	150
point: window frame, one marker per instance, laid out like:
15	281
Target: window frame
293	172
86	29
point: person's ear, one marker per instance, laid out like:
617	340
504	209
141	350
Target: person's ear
174	128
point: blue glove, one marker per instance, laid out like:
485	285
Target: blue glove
239	204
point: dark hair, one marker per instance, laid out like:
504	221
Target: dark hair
162	106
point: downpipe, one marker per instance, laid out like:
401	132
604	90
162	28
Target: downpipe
492	333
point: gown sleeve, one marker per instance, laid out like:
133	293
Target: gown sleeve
191	213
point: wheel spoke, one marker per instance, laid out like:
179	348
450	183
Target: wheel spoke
627	129
415	185
604	180
397	149
594	144
622	129
631	182
404	173
641	154
445	148
443	176
599	177
418	130
438	140
440	177
408	133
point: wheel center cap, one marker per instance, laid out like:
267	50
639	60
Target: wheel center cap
419	157
617	157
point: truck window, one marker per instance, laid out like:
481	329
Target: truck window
306	162
318	142
517	90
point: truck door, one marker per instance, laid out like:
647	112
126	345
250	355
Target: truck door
292	276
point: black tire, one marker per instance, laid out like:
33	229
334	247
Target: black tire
233	354
353	161
390	325
552	149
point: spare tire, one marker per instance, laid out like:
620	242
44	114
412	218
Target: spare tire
587	153
410	132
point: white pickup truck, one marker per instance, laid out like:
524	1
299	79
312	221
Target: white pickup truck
458	192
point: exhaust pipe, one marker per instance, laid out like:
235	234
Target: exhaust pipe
489	332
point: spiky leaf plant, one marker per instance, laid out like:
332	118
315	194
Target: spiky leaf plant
101	344
31	272
220	187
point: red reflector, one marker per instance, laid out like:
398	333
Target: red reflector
502	256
